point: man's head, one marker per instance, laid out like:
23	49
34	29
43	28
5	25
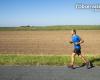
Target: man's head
73	31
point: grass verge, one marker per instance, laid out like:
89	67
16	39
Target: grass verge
42	60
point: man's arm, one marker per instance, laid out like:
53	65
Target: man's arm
81	41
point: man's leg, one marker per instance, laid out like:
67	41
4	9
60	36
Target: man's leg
83	58
72	61
73	58
86	62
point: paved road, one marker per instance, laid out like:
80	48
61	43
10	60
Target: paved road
48	73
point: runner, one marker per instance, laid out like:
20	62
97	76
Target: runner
77	41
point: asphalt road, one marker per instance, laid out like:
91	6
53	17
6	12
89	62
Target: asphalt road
48	73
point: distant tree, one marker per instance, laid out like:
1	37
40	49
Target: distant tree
21	26
26	26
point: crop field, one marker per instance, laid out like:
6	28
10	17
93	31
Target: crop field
47	42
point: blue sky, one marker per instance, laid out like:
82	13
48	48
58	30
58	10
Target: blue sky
46	12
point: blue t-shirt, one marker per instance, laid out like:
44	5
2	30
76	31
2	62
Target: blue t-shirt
75	40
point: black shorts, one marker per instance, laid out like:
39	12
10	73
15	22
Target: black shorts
77	51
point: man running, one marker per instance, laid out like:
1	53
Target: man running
76	41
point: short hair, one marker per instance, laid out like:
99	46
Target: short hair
74	30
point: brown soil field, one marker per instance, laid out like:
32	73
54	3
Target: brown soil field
47	42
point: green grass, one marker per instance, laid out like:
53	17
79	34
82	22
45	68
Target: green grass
58	27
42	60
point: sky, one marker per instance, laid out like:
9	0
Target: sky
46	13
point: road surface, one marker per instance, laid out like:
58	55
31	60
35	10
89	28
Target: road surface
48	73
